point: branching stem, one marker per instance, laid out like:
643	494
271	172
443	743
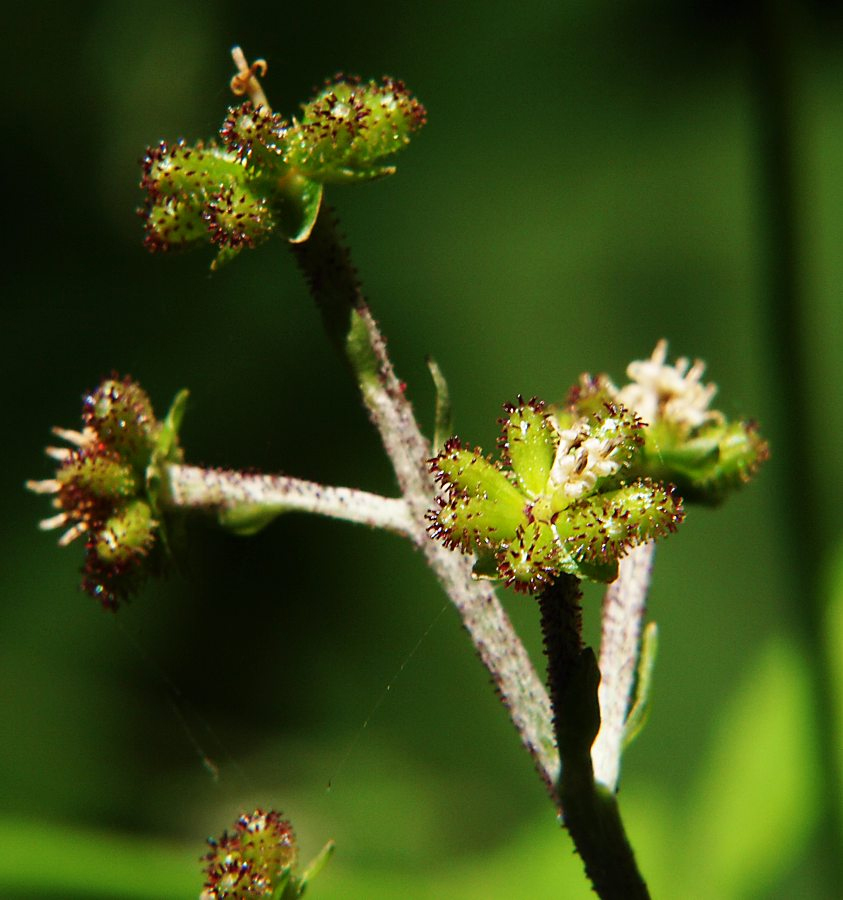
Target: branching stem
223	491
624	606
590	810
349	323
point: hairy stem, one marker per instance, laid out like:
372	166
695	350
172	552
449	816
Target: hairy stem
221	491
624	606
326	264
590	810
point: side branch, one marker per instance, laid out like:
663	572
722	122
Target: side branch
221	491
624	607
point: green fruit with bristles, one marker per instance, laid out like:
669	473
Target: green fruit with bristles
127	535
350	127
101	476
121	414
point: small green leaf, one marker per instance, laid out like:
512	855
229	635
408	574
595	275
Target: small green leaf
298	206
315	866
167	446
166	450
361	354
486	565
599	572
247	519
442	427
640	711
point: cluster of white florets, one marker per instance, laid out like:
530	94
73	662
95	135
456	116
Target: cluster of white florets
673	393
581	460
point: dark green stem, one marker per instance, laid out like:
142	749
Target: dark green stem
334	283
591	812
775	43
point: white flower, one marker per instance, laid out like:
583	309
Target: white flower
673	393
78	525
580	460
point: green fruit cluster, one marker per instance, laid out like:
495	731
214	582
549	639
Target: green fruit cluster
559	501
102	487
580	484
266	174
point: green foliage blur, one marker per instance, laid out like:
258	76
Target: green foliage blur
589	182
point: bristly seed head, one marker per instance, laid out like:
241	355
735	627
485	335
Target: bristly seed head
580	484
255	860
268	176
558	502
100	489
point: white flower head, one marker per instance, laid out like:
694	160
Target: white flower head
581	459
81	440
672	393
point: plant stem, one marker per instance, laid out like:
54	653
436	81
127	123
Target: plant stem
624	606
591	812
335	286
224	492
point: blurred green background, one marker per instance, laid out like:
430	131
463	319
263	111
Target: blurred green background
591	179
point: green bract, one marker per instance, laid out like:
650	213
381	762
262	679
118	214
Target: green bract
267	176
560	501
